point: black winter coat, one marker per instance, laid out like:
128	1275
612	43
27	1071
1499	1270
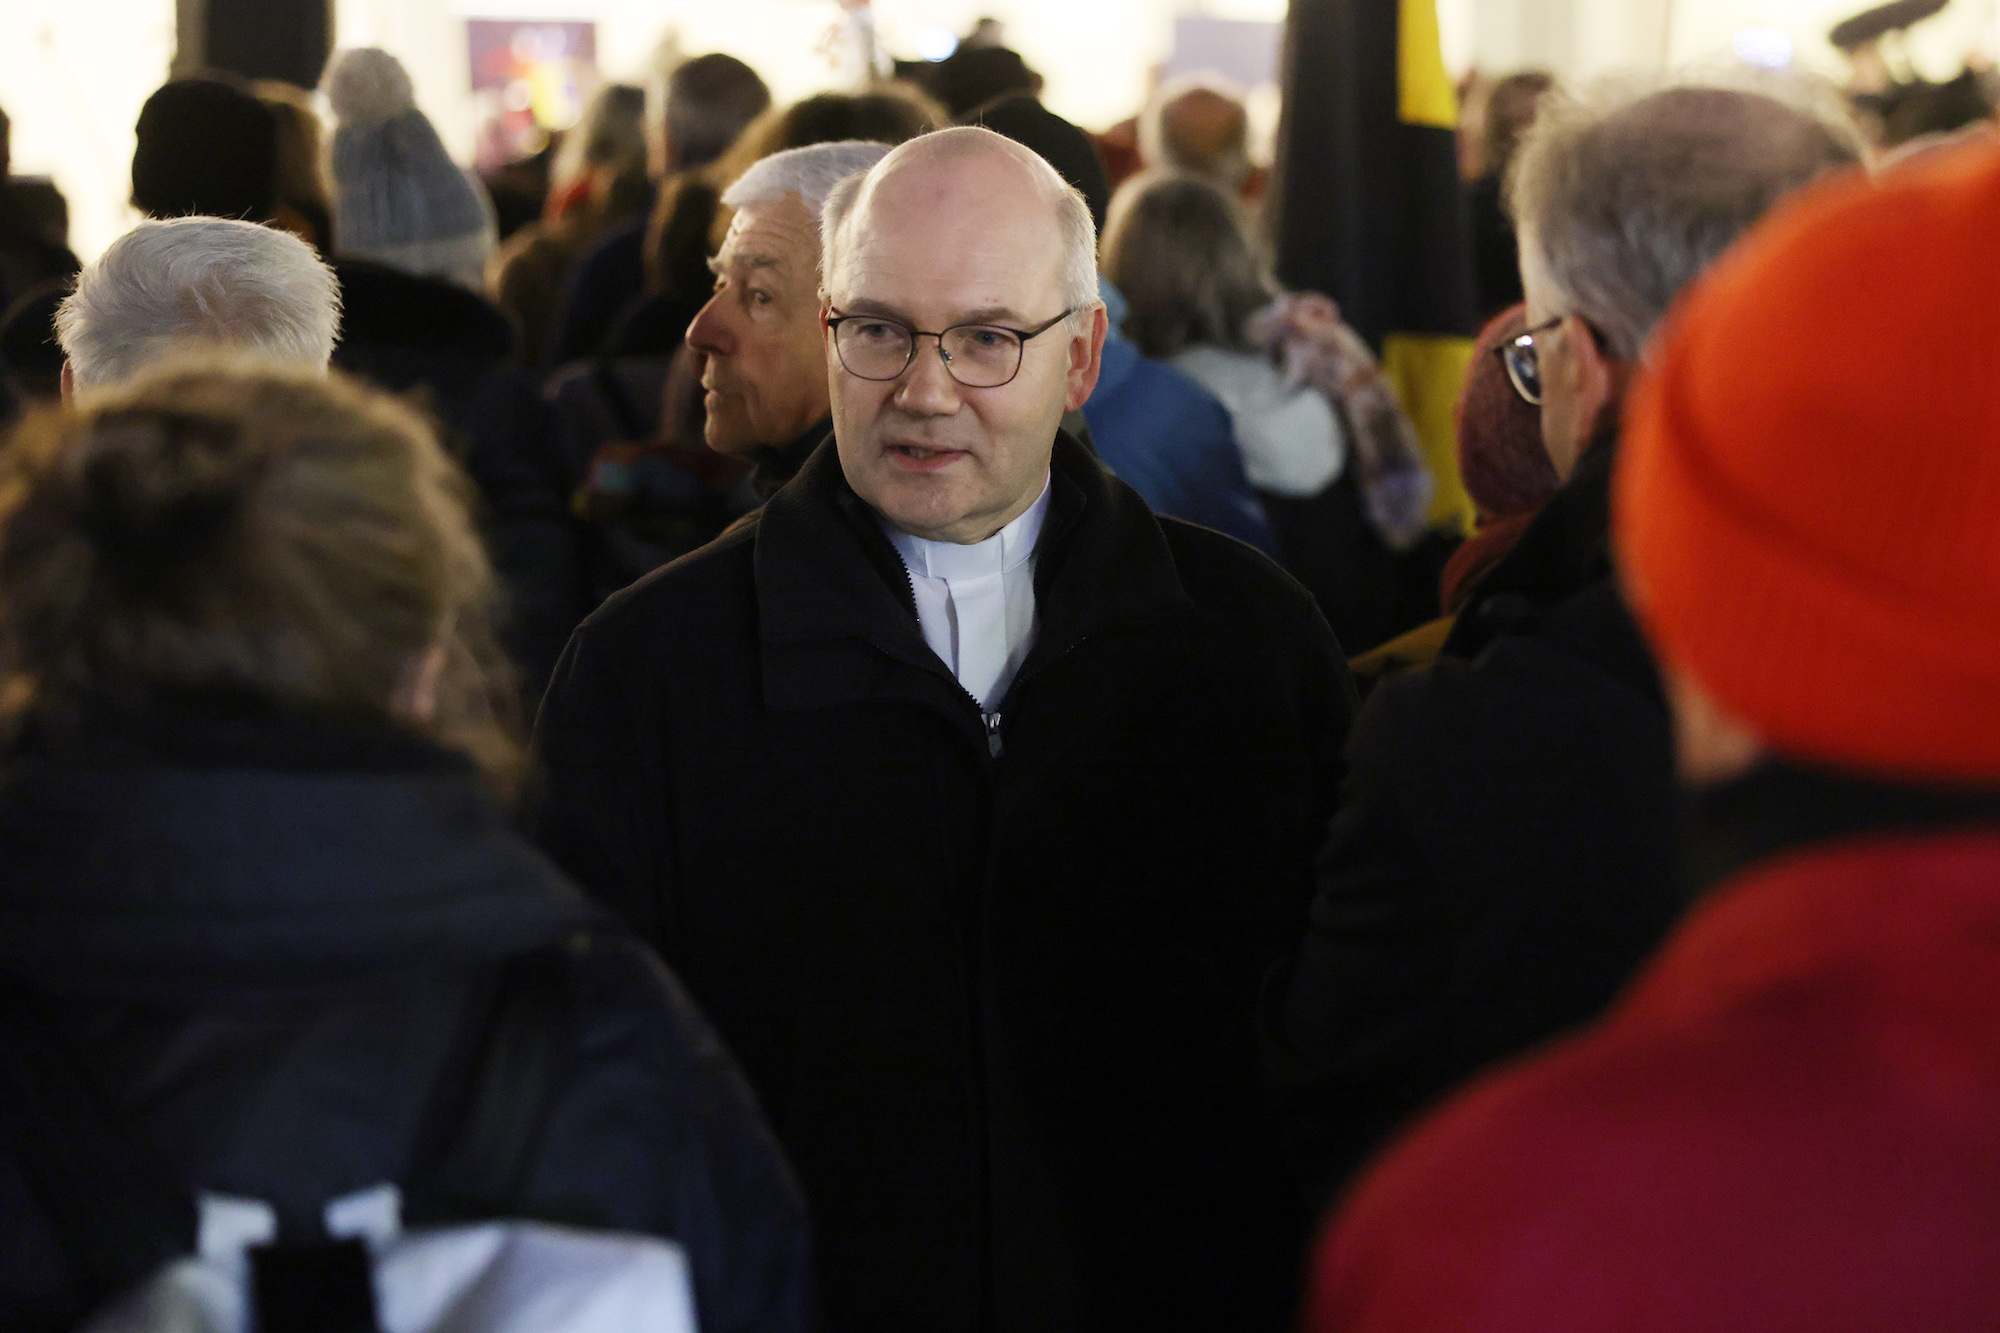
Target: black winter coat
1504	856
452	351
998	995
263	941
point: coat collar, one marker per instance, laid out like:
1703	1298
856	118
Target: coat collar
1798	871
1909	900
1564	551
777	465
1557	585
163	867
835	609
1780	807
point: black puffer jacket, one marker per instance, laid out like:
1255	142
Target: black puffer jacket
260	939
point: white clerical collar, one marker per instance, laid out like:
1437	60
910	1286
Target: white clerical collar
951	561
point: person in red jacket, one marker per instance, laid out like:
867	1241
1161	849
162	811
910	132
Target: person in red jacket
1792	1118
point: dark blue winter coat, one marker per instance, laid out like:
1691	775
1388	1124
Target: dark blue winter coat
265	940
1170	440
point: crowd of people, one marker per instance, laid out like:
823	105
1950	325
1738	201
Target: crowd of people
791	730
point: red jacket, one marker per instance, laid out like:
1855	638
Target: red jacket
1791	1122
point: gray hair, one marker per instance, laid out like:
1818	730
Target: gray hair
164	285
1078	234
810	173
1628	197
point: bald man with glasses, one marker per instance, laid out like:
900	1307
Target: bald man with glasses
972	801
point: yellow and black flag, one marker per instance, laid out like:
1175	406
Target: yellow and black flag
1368	206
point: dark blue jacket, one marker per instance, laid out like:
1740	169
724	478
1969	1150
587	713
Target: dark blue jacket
603	283
1170	440
263	938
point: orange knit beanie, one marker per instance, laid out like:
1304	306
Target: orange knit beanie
1808	499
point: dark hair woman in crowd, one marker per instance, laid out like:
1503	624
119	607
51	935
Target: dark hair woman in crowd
1174	247
1325	443
257	892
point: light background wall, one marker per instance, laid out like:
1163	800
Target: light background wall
1582	38
73	73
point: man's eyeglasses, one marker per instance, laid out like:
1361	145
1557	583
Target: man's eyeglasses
979	356
1524	362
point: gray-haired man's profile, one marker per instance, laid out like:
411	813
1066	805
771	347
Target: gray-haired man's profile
763	369
1505	851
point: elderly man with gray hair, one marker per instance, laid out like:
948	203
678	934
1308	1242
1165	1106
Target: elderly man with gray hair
1504	855
763	371
166	286
970	799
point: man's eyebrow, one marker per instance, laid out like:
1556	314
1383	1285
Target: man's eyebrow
864	306
984	315
718	266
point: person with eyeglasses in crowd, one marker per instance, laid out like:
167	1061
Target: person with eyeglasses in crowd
1790	1119
972	800
1504	854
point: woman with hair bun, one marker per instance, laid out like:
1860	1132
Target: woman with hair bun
258	890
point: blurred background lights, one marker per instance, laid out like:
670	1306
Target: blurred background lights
934	43
1766	48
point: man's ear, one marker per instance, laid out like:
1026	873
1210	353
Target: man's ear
1711	744
1601	380
1086	360
417	700
68	383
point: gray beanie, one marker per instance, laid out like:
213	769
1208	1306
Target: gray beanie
399	199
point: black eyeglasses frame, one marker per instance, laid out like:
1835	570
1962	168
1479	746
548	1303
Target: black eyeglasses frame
834	321
1519	353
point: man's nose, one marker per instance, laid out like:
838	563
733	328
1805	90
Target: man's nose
927	388
709	331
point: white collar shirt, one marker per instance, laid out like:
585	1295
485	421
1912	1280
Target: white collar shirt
976	603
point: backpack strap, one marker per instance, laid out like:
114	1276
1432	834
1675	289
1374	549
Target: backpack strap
485	1115
117	1212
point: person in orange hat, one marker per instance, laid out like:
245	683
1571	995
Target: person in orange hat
1792	1118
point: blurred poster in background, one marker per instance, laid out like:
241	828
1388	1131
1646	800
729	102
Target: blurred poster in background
1244	51
530	78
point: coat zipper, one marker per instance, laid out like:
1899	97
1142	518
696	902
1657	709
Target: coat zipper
989	721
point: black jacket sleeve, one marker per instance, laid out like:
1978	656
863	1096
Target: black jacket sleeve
1503	857
653	1069
1356	1027
604	809
537	544
656	1118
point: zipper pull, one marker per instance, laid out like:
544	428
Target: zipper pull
992	721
